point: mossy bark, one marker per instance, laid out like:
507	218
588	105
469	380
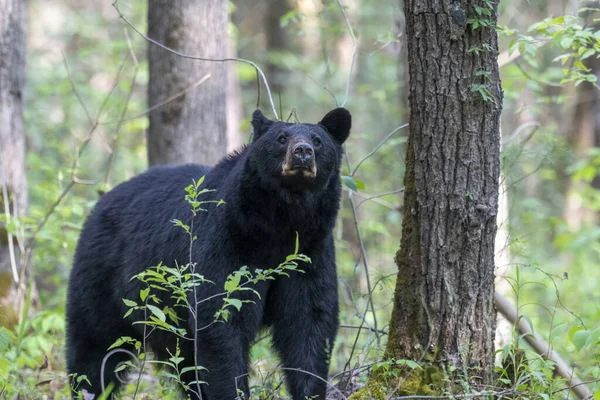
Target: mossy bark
443	314
193	127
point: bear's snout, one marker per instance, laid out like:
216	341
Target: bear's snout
300	160
303	152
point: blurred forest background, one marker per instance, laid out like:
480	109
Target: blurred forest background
87	70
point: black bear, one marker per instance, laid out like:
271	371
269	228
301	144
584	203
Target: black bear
286	182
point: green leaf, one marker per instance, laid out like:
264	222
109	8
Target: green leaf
120	341
526	318
157	312
194	368
130	303
597	395
505	350
121	367
359	184
6	339
144	294
232	283
580	338
566	43
573	331
176	360
234	302
349	182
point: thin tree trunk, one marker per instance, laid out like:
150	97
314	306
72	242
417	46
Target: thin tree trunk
443	304
583	133
277	42
13	182
193	127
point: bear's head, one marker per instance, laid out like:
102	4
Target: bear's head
299	157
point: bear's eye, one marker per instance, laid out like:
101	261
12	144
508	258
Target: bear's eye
282	139
316	141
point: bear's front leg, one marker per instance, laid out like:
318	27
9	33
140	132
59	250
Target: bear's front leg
305	324
223	351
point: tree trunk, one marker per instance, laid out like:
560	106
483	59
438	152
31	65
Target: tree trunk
193	127
443	312
583	133
13	182
277	43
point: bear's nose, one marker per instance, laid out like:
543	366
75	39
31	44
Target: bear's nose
303	152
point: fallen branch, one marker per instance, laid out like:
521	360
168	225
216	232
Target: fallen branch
543	348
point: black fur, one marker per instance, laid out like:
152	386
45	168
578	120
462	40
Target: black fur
129	230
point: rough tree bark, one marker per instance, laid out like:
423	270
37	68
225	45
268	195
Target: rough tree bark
13	183
193	127
443	312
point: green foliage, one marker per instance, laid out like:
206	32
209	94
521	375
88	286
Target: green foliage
482	15
568	33
542	174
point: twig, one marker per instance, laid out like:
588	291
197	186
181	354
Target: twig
87	113
375	196
11	245
520	129
295	370
532	78
556	291
389	135
370	297
227	59
127	100
105	359
362	327
325	89
504	58
162	103
48	214
318	377
366	265
354	48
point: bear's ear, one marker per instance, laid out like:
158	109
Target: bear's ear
338	123
260	123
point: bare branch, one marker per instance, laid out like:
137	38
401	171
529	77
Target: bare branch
389	135
520	129
127	100
162	103
354	48
367	277
227	59
536	341
376	196
362	327
87	113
